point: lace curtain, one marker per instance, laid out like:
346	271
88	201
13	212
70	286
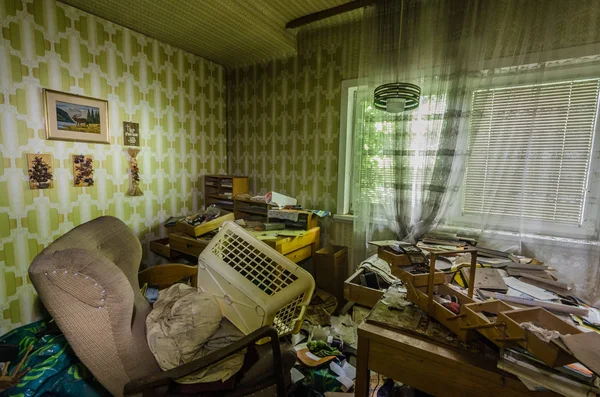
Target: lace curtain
421	170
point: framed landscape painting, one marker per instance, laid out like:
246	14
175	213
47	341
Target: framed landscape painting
72	117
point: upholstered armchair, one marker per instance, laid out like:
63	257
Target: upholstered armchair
88	281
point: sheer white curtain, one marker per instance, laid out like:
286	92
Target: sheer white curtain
403	161
504	145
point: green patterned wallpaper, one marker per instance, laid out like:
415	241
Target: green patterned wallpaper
178	99
283	116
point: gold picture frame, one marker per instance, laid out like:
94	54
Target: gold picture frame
71	117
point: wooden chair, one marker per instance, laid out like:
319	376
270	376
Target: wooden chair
163	276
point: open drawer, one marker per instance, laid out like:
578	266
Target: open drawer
483	317
551	353
457	323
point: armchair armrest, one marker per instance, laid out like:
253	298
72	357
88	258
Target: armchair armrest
139	385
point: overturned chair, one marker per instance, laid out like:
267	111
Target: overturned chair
88	281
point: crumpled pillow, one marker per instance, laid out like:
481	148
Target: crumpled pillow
184	325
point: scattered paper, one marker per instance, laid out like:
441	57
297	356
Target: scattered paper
346	374
345	369
593	316
344	328
296	338
531	290
347	383
384	243
349	369
301	346
296	375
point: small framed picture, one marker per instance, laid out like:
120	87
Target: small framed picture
72	117
39	168
131	133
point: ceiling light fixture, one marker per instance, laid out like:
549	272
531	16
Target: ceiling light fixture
397	97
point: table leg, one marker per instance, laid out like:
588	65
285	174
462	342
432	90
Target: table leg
363	375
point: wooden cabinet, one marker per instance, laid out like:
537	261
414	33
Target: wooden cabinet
221	189
251	210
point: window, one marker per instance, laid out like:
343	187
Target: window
376	165
531	145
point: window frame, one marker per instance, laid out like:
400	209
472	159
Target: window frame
454	218
589	228
349	89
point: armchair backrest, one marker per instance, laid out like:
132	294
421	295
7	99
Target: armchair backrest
87	279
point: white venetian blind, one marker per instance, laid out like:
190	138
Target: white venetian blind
530	150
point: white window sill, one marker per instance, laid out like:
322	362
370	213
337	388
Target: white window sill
349	218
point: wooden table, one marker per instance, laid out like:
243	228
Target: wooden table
430	367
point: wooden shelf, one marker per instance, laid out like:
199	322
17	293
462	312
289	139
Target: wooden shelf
216	185
220	197
253	202
252	211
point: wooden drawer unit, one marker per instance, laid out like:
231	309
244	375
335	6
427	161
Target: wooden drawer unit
161	247
188	245
285	245
199	230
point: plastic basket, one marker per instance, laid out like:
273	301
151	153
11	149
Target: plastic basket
254	284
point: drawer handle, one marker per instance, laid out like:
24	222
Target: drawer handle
188	245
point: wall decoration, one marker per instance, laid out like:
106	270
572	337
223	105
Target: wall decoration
72	117
83	170
134	171
52	45
131	133
40	171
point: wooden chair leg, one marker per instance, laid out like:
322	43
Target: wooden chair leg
278	369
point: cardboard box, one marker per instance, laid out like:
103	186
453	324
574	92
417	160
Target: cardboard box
364	296
280	199
331	270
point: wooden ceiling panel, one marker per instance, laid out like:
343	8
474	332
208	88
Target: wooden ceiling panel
229	32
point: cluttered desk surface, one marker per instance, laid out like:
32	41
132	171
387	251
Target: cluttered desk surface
511	329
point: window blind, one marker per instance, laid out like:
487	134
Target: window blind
529	150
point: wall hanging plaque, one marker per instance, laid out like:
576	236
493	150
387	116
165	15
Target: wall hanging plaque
83	170
131	133
39	168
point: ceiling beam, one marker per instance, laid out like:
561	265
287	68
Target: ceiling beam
317	16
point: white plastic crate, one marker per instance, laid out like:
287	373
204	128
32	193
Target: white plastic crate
254	284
